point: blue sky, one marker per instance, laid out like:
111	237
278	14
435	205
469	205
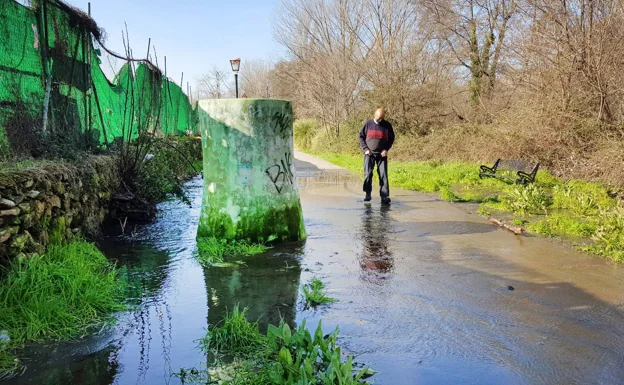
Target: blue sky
193	34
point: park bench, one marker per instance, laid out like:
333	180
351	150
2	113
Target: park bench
522	172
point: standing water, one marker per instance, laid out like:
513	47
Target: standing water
424	295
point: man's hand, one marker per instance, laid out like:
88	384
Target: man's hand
367	152
384	153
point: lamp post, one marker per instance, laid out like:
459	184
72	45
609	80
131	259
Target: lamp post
235	67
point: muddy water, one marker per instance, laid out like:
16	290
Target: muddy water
424	289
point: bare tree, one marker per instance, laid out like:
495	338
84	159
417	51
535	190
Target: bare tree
322	36
256	78
475	31
215	84
573	56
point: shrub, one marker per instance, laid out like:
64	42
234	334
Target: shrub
304	132
168	169
345	140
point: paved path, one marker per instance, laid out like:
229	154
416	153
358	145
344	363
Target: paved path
430	294
305	162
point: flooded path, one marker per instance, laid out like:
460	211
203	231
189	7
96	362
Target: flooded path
428	294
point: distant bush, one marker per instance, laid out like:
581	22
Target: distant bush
343	140
304	132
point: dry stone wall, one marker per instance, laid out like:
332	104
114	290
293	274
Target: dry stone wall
53	203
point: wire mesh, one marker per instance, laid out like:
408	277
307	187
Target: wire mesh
54	96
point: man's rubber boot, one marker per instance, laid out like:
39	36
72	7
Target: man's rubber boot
385	201
368	197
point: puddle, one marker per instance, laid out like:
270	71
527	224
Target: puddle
422	289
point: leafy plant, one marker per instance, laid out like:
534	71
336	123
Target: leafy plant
303	359
529	199
282	357
315	293
609	235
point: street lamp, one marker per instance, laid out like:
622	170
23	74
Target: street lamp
235	67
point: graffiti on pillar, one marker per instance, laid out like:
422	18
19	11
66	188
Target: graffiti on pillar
282	121
281	174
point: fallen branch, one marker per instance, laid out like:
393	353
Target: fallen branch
515	230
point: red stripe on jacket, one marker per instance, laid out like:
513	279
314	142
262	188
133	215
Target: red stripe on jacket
377	134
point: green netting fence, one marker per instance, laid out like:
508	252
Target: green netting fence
54	96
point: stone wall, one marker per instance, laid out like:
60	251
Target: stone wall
52	203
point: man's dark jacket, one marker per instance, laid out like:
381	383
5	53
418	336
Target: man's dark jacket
376	137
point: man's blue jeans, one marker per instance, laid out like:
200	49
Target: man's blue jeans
382	171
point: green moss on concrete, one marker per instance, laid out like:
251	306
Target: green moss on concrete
284	224
249	176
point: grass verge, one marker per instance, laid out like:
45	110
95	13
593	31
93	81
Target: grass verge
61	295
212	252
282	356
315	293
578	210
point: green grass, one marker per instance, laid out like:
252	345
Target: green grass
235	334
282	356
60	295
558	225
212	252
315	293
549	207
9	364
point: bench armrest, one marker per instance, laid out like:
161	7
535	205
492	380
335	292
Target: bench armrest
491	169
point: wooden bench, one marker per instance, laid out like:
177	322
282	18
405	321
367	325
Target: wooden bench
525	172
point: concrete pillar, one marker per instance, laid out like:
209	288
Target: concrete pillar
249	171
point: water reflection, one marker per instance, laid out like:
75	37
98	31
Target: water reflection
268	285
376	261
99	368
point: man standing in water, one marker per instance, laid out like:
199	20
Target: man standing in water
376	139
